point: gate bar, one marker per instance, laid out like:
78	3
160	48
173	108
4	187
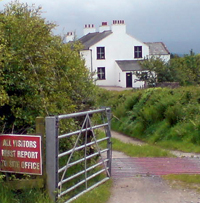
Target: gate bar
81	182
82	113
81	131
80	173
90	188
81	147
81	160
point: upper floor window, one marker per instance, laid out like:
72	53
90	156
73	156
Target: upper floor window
101	73
137	51
100	52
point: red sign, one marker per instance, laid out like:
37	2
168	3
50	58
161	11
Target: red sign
21	154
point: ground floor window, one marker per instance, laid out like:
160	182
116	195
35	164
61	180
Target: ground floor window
101	73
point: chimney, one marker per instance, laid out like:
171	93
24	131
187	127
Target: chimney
89	28
118	26
70	37
104	27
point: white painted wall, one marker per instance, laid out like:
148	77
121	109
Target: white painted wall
121	81
118	46
86	55
103	28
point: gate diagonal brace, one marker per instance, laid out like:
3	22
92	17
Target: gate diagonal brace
97	146
86	124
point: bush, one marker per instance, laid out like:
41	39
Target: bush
38	72
174	114
160	115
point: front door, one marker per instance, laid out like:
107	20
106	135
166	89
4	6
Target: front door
128	79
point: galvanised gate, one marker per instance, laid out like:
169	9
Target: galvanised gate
79	160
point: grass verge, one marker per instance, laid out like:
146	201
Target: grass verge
139	151
184	180
181	146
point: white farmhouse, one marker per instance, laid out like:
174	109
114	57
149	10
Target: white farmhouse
114	55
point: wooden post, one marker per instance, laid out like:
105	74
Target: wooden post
40	130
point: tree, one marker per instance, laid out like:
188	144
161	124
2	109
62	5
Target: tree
155	70
185	70
38	72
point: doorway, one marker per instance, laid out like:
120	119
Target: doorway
129	80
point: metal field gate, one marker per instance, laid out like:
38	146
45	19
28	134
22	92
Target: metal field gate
80	159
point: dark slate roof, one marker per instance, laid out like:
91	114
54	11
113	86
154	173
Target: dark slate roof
129	65
157	48
92	38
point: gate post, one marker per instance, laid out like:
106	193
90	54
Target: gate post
52	155
109	143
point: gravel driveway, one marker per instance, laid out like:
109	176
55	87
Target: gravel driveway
148	189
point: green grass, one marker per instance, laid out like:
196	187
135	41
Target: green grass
184	180
132	150
100	194
181	146
139	151
23	196
166	117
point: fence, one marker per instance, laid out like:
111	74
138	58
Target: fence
85	164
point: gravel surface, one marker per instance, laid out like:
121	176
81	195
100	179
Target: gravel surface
148	189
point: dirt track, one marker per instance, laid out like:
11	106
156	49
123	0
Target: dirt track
148	189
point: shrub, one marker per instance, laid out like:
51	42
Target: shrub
174	114
38	74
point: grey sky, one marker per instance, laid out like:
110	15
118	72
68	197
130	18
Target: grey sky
174	22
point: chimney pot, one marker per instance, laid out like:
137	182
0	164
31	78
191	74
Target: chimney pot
104	23
118	26
89	28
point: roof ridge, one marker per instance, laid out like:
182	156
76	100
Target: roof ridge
92	38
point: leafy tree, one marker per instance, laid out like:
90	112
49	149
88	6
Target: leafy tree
157	70
39	74
185	70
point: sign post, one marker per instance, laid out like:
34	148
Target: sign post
21	154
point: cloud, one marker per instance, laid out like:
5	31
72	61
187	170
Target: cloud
148	20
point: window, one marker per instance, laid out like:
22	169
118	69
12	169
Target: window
101	73
100	52
138	52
